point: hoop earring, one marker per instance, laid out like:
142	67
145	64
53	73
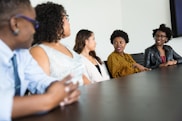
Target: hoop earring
16	31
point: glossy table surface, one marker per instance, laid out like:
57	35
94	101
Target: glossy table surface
155	95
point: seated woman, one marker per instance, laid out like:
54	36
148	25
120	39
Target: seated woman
85	46
159	54
56	59
119	62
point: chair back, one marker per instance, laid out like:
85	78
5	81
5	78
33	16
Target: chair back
105	62
138	57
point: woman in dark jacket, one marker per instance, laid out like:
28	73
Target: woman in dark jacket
160	55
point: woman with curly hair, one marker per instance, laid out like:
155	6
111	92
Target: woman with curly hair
159	54
56	59
119	62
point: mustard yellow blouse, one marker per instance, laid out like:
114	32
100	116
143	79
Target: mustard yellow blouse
121	65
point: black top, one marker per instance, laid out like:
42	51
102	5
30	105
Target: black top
98	68
152	57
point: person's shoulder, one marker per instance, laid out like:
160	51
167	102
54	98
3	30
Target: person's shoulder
167	46
21	52
127	54
36	49
39	53
23	55
82	57
150	48
112	55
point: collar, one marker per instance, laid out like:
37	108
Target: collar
5	52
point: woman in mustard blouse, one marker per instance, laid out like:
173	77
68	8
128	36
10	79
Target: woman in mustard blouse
119	62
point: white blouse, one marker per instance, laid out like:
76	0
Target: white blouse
93	74
61	65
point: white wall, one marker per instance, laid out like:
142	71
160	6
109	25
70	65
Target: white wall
140	17
137	17
99	16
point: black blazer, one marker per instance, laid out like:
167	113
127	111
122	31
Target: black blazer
152	57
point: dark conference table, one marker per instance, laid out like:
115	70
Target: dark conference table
155	95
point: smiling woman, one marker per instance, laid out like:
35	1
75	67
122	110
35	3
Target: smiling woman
120	63
160	55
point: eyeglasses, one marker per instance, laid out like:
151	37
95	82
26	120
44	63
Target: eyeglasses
34	22
160	36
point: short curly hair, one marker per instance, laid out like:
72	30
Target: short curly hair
165	29
119	33
50	17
